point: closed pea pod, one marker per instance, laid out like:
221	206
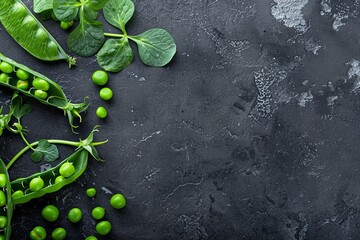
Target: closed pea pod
29	33
6	211
78	159
49	94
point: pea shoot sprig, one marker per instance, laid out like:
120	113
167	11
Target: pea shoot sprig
156	46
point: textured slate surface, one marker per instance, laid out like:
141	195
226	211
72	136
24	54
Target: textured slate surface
249	133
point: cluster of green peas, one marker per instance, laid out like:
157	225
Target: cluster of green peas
51	213
100	78
3	201
24	81
66	170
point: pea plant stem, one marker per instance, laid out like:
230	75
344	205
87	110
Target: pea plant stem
54	141
114	35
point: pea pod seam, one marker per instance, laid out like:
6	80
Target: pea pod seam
9	204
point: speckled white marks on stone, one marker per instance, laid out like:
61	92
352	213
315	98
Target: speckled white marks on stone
354	72
304	98
290	13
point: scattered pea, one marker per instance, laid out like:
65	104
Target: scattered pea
103	227
17	194
67	170
100	77
91	238
91	192
4	77
50	213
59	179
6	67
3	221
40	94
36	184
22	84
22	74
75	215
2	198
2	180
118	201
98	213
106	93
41	84
59	234
101	112
38	233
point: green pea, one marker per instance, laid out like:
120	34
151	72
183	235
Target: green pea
4	77
3	221
103	227
75	215
38	233
59	233
91	238
22	74
106	93
17	194
66	25
67	169
100	77
59	179
101	112
2	198
6	67
41	84
36	184
98	213
40	94
22	85
118	201
50	213
2	180
91	192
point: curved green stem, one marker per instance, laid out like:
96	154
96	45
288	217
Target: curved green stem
26	142
54	141
114	35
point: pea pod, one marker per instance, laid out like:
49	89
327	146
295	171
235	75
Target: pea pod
79	159
55	95
6	210
27	31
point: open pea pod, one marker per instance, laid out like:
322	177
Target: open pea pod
6	204
27	31
51	94
79	159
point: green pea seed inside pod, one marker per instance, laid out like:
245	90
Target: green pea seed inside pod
17	194
36	184
4	77
40	94
22	75
23	85
6	67
3	221
2	198
41	84
3	180
59	179
67	170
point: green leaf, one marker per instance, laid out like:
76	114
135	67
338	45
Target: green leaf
95	4
156	47
115	55
17	107
87	38
66	10
45	151
42	5
119	12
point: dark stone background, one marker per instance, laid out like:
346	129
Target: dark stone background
249	133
